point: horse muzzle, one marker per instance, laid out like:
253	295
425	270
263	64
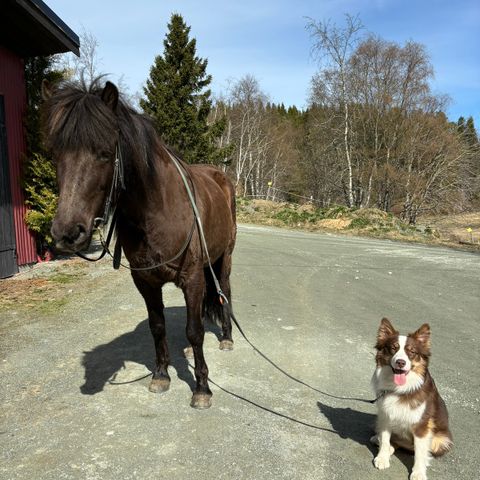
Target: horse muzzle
70	238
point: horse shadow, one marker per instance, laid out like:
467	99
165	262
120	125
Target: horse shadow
359	427
104	362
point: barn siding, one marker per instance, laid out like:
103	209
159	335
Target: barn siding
12	86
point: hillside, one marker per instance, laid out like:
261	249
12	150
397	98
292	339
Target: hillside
451	230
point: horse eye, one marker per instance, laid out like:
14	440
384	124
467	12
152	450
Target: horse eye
105	156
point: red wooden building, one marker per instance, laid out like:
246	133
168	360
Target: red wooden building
27	28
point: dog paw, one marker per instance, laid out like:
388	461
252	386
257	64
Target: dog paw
382	462
418	476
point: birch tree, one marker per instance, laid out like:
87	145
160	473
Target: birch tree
332	46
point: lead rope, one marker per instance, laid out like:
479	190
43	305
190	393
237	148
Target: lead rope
222	297
118	173
224	301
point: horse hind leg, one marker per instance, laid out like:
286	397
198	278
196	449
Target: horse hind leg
193	291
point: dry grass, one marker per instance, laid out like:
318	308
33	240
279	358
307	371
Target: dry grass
454	228
441	230
43	292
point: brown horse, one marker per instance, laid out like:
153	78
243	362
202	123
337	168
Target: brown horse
87	129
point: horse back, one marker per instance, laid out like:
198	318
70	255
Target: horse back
210	173
214	185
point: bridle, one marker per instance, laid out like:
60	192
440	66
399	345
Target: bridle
118	184
118	180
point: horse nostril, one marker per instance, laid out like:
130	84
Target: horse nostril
76	234
81	230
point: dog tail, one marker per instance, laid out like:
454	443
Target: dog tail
441	444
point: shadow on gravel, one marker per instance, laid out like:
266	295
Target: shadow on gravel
103	362
359	427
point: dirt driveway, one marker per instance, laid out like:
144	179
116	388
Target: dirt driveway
71	333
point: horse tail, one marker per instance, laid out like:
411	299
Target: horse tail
213	310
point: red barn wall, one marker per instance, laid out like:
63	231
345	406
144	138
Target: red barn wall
12	86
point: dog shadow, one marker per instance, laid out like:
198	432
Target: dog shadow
103	362
359	427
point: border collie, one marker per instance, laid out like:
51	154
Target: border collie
411	413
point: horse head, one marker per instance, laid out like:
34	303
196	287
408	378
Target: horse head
81	130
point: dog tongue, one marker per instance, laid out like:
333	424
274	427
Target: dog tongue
400	378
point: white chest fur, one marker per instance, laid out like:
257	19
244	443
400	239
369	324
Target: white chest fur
400	416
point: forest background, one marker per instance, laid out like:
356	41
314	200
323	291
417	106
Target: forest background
374	134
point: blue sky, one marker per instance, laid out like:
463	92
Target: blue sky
267	39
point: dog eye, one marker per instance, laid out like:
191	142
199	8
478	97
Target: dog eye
394	347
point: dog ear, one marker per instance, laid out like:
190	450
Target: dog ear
385	331
110	95
422	335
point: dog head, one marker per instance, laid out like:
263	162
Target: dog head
403	354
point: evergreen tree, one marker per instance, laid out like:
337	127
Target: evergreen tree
177	98
470	133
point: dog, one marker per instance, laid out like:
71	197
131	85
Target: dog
411	413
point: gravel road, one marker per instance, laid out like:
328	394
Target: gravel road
311	302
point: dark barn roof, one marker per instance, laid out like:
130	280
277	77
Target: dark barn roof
31	28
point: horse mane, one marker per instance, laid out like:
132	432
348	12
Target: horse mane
76	118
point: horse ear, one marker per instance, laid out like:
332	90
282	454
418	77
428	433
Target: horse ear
46	89
110	95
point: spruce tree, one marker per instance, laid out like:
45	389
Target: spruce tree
470	133
177	98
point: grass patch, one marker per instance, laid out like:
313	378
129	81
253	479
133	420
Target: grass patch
64	278
43	294
341	219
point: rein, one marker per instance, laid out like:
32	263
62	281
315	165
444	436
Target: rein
118	179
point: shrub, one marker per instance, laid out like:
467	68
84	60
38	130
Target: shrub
360	222
41	198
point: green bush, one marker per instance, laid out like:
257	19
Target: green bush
41	198
292	216
360	222
338	211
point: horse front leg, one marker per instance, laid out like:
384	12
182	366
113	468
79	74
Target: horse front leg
154	301
194	292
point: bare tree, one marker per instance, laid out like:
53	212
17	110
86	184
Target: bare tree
332	46
88	65
247	107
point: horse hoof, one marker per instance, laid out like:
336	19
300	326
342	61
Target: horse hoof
188	352
201	401
159	385
226	345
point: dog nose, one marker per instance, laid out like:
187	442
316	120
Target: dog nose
400	363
